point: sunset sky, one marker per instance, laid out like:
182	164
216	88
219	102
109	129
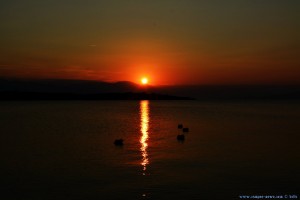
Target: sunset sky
172	42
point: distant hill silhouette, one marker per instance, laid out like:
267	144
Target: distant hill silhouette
77	90
9	96
83	89
66	86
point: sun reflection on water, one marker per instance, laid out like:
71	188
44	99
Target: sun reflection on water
144	112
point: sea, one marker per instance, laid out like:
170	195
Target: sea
52	150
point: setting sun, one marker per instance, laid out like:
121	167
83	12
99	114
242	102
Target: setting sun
144	81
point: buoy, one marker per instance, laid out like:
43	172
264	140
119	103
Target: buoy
180	137
180	126
185	129
118	142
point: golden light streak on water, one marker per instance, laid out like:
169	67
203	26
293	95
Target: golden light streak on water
144	113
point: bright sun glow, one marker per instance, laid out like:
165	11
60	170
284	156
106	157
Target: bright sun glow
144	81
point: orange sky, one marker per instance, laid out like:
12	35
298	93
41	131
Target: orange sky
172	42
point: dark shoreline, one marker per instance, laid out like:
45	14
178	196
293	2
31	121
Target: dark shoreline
32	96
40	96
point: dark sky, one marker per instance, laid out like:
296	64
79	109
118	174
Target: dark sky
170	41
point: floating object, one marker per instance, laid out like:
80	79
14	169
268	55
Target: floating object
185	129
119	142
180	137
180	126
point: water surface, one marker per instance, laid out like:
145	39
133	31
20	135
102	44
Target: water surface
65	150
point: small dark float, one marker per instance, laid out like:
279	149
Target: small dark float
180	137
119	142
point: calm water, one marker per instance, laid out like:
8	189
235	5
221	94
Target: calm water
65	150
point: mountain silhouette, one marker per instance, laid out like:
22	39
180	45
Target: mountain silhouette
16	87
67	86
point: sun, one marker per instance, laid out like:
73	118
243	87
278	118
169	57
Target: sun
144	81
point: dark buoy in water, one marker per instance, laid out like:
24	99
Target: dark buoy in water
180	126
180	137
119	142
185	130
